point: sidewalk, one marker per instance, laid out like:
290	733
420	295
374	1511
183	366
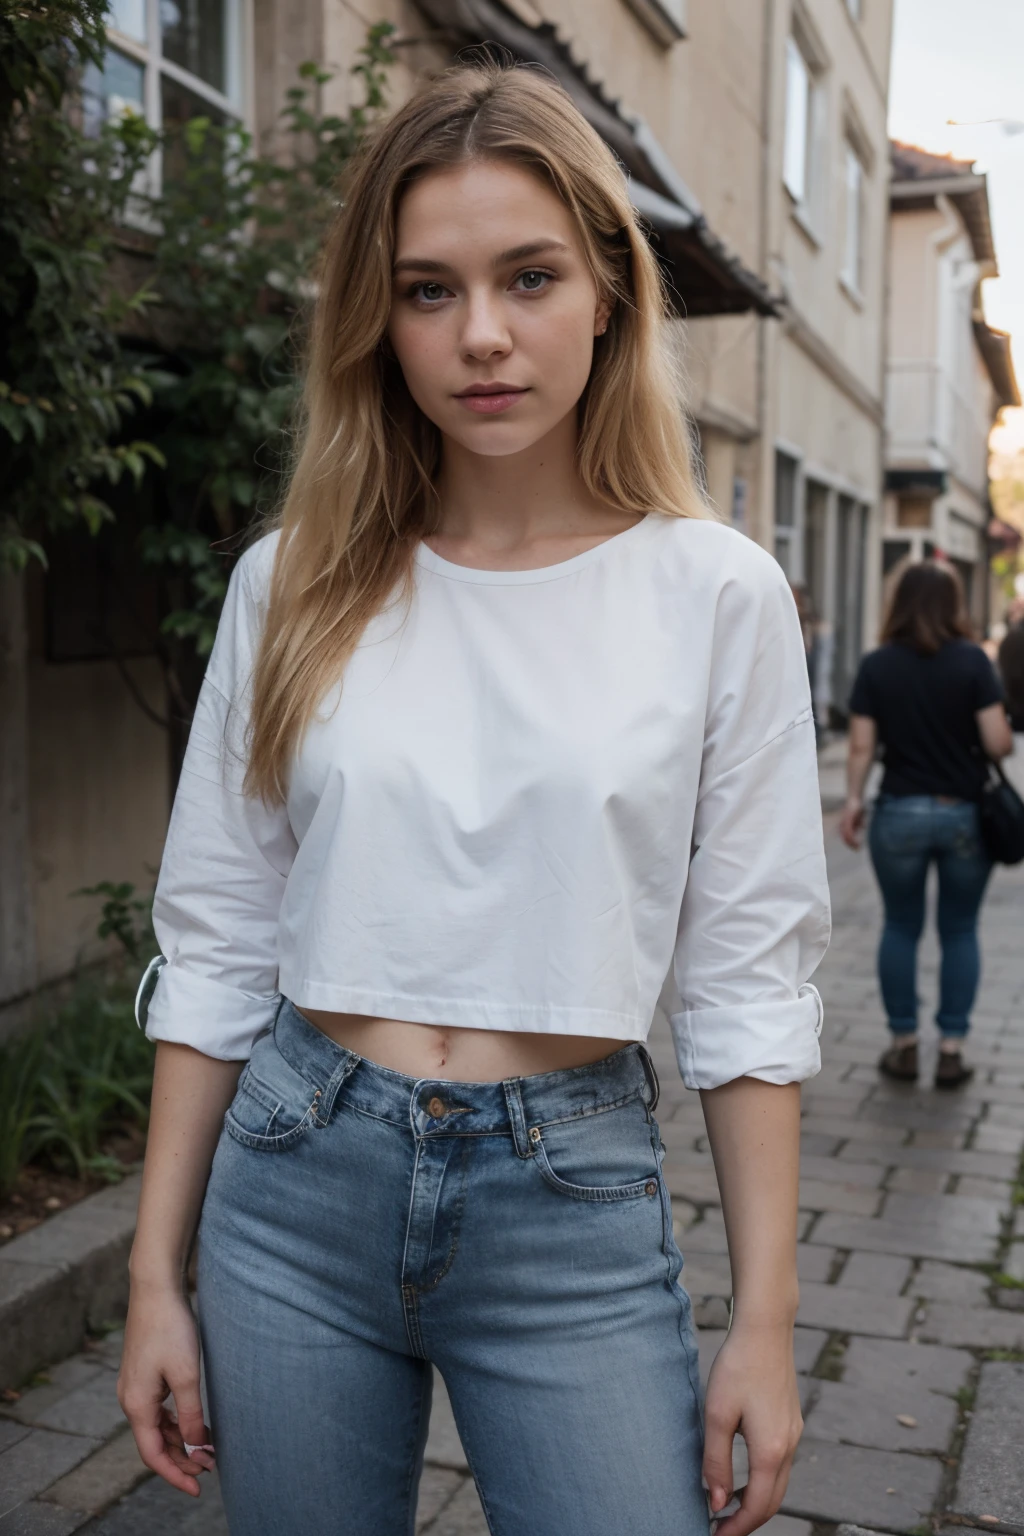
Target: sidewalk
911	1339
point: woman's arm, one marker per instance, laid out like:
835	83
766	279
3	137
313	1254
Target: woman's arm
754	1130
860	755
994	730
161	1349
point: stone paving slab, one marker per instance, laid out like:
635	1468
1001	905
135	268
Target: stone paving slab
36	1462
889	1366
867	1416
884	1274
113	1471
34	1519
847	1310
971	1327
991	1480
950	1282
882	1489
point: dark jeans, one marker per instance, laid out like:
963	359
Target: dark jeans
907	834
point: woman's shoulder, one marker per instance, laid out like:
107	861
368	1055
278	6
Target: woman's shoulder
706	550
256	564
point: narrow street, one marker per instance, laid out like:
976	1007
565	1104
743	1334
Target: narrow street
911	1339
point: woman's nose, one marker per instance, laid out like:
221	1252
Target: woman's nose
485	328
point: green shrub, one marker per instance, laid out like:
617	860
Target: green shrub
85	1070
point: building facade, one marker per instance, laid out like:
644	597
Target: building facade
753	136
948	372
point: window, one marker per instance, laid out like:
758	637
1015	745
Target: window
786	531
168	60
853	233
802	145
664	19
798	103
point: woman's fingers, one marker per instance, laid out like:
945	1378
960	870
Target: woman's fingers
156	1455
759	1500
719	1431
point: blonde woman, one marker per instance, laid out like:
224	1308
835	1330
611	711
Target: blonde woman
499	725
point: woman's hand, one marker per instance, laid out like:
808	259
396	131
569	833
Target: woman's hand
851	823
161	1356
752	1390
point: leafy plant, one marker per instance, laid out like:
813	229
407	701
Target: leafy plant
125	917
67	383
87	1069
72	1080
234	269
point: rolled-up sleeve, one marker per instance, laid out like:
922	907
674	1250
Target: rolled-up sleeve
226	860
754	921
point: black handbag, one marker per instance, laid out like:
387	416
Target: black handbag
1002	817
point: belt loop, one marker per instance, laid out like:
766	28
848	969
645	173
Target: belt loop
517	1117
652	1078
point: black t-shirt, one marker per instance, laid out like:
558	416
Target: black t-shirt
924	709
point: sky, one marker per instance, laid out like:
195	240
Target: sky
964	59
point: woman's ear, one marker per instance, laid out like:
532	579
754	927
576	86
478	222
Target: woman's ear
602	317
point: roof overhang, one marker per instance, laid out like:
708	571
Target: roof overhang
968	193
704	277
994	347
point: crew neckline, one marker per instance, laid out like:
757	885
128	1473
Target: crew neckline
428	560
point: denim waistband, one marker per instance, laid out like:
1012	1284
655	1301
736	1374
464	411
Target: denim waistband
436	1106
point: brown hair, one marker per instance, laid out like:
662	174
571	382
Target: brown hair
362	493
927	608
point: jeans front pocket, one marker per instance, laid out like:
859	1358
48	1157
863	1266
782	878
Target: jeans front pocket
274	1104
609	1155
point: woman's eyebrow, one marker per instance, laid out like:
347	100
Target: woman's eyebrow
514	253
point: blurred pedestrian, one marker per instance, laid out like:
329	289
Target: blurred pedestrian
1011	670
931	698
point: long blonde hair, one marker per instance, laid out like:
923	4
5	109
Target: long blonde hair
362	493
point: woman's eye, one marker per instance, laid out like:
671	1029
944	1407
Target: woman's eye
430	292
533	281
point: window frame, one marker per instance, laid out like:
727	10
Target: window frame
851	273
806	200
231	103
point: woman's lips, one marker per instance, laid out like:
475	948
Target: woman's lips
491	405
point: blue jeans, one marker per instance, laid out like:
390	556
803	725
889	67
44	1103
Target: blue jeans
360	1226
907	834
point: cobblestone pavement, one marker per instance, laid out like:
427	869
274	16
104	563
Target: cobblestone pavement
910	1343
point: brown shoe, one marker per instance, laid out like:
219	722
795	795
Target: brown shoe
951	1070
900	1062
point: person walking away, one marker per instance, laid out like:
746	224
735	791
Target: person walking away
931	698
1011	670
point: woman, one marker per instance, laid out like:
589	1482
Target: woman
930	696
497	723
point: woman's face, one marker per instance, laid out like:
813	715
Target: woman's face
494	309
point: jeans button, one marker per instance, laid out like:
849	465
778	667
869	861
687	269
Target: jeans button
436	1109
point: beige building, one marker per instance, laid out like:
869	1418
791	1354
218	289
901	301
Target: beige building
753	134
948	372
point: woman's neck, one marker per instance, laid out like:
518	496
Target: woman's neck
509	506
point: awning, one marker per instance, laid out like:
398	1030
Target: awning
704	277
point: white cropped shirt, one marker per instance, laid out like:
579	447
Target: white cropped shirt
535	793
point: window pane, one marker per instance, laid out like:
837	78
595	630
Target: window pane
785	490
111	91
784	553
129	17
193	37
798	100
853	239
179	106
